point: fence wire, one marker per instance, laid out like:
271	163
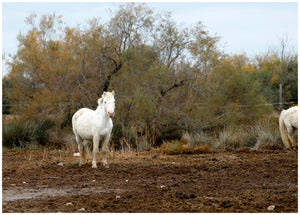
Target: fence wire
201	105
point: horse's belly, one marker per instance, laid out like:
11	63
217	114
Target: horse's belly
85	134
83	128
104	132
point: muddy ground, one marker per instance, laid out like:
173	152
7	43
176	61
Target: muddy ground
240	181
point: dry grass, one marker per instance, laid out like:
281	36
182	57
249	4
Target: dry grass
233	139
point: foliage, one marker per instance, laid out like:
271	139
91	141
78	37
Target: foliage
168	79
272	70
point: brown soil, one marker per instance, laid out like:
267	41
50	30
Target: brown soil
243	181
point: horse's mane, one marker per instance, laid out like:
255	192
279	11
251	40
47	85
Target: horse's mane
106	94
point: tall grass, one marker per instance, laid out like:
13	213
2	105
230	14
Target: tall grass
230	138
20	133
268	135
263	135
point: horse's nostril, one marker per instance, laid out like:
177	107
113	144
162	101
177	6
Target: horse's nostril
111	114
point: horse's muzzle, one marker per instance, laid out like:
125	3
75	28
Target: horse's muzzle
111	114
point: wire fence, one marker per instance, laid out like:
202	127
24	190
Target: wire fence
201	105
240	106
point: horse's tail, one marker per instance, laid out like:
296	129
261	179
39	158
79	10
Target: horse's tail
73	123
283	131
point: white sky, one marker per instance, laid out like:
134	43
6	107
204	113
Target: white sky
249	28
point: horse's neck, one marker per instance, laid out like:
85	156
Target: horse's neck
100	111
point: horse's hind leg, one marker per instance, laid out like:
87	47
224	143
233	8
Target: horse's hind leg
290	131
87	150
80	149
291	135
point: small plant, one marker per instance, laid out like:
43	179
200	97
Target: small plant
202	149
180	147
174	147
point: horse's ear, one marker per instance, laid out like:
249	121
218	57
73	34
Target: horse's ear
100	101
113	93
104	94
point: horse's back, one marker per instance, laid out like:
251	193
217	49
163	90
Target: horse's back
294	116
81	123
293	110
79	113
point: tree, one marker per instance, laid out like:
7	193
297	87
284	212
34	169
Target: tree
125	31
271	70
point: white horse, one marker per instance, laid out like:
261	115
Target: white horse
288	125
90	125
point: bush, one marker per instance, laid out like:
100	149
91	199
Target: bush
19	133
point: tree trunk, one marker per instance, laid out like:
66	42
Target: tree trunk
108	78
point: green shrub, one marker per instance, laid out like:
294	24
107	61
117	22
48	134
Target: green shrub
19	133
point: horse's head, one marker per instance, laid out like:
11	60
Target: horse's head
108	101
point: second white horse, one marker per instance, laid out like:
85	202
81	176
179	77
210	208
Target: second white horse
288	126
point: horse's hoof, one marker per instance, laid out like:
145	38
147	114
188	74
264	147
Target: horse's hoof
94	167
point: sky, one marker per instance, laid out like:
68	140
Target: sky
245	28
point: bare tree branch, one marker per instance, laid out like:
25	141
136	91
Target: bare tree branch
175	85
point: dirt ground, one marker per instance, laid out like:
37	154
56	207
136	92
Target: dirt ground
240	181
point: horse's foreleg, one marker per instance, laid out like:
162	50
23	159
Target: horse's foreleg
104	151
96	140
